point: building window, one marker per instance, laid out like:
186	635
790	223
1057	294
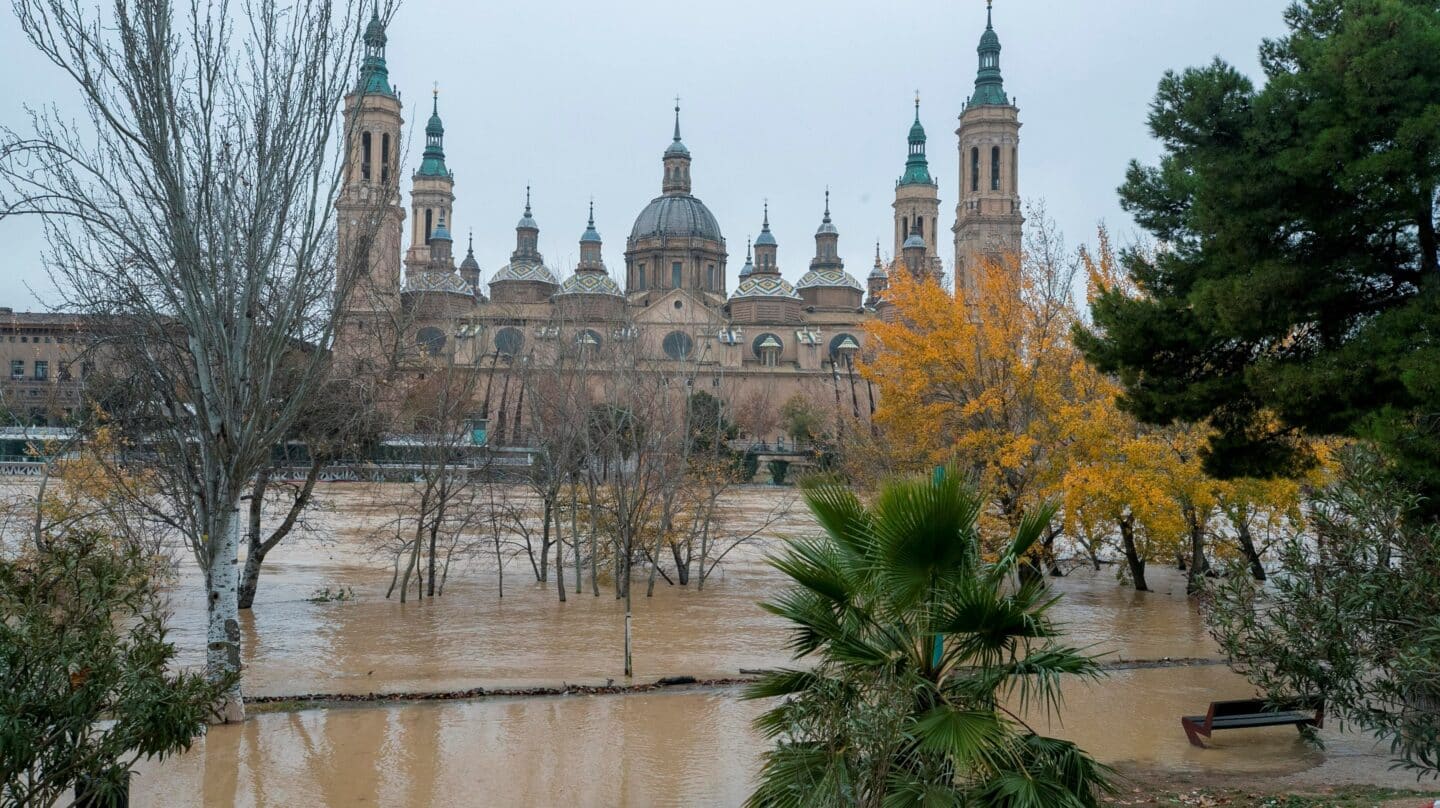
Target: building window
429	223
385	157
767	348
676	270
42	370
640	276
678	345
920	225
975	169
1014	171
431	340
995	168
508	341
365	156
710	277
17	368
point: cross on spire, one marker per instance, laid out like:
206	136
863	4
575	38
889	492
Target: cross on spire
677	119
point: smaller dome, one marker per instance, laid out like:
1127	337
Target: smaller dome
765	286
524	271
590	283
827	228
433	282
441	232
470	262
914	241
766	238
677	149
829	277
527	222
878	273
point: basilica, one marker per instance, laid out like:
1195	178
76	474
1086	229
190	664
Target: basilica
751	335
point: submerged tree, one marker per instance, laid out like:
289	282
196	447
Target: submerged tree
191	218
926	658
1350	614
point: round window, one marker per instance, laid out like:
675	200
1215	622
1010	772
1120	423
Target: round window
430	339
509	341
767	343
678	345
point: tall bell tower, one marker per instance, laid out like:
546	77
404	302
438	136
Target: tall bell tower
369	215
917	199
988	219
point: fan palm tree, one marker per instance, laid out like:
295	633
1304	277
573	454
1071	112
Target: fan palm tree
926	657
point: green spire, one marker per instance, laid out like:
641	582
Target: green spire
989	85
374	76
917	168
432	164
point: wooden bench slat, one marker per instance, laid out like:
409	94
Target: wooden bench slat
1242	714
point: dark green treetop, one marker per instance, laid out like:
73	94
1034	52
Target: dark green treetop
1294	286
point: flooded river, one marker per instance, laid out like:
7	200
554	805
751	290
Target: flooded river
691	748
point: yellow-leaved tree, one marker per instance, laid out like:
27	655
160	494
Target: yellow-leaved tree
985	377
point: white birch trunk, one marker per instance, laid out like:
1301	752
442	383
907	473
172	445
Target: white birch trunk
222	656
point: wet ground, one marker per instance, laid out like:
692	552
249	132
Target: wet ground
687	748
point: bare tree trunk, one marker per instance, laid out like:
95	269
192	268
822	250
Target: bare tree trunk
1247	547
575	536
1132	555
545	538
1199	566
222	633
559	558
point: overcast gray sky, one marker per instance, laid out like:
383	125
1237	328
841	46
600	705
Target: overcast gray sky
779	99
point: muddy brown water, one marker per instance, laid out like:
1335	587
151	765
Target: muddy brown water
684	748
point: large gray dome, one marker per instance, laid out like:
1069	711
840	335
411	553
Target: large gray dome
676	216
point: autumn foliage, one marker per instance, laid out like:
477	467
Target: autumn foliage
989	378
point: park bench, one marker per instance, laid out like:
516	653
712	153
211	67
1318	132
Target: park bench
1301	712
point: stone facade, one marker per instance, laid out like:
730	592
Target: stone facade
45	368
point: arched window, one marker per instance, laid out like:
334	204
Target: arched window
640	276
676	270
710	277
975	169
429	223
588	341
768	349
1014	171
920	225
385	157
365	156
995	168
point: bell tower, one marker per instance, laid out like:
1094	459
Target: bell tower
988	219
369	215
917	198
432	192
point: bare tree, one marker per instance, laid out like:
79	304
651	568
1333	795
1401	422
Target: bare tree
192	220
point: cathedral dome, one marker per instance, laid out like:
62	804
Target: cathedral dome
590	283
829	277
765	285
524	271
676	216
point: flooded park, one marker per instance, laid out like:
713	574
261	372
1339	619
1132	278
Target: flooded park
678	746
